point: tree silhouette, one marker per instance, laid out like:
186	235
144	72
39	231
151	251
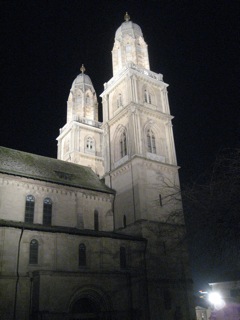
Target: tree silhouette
212	211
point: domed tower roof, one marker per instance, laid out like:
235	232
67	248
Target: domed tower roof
82	100
82	81
128	28
129	46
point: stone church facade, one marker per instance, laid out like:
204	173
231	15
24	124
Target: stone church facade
99	232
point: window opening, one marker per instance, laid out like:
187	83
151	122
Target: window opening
164	248
90	144
33	253
124	221
86	308
123	259
78	98
151	142
119	100
82	255
96	220
29	209
147	97
128	47
123	145
87	99
47	212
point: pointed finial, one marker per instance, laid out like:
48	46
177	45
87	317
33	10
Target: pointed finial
82	69
127	17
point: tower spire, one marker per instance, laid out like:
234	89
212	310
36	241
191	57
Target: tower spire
82	69
126	17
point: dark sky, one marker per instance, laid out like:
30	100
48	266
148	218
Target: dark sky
194	44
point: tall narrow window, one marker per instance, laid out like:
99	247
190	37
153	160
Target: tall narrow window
147	97
33	252
78	97
128	52
124	221
87	98
119	101
123	145
123	258
164	248
47	211
82	255
96	220
90	144
151	142
29	209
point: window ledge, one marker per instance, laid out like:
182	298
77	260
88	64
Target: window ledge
155	157
121	161
90	151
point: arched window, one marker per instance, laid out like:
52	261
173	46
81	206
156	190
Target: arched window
119	101
123	145
151	142
33	252
90	144
128	47
96	220
29	209
82	257
124	221
129	53
123	258
47	211
87	99
78	97
147	97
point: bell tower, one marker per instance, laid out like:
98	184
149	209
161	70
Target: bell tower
140	164
80	140
129	46
140	159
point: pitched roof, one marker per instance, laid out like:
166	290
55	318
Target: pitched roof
23	164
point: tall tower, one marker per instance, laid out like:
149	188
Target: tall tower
140	164
80	140
140	160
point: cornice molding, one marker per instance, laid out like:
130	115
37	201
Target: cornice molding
48	187
148	163
69	126
130	70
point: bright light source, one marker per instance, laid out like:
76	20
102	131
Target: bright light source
216	299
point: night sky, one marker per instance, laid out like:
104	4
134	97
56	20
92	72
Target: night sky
194	44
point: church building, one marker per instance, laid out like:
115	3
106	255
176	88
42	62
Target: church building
99	232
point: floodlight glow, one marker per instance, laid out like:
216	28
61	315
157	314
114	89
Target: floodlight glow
216	299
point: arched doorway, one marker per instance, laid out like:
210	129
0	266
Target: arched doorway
90	305
85	309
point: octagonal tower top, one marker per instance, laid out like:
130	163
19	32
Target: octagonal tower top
82	99
129	46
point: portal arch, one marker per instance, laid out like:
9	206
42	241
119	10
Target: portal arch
90	303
